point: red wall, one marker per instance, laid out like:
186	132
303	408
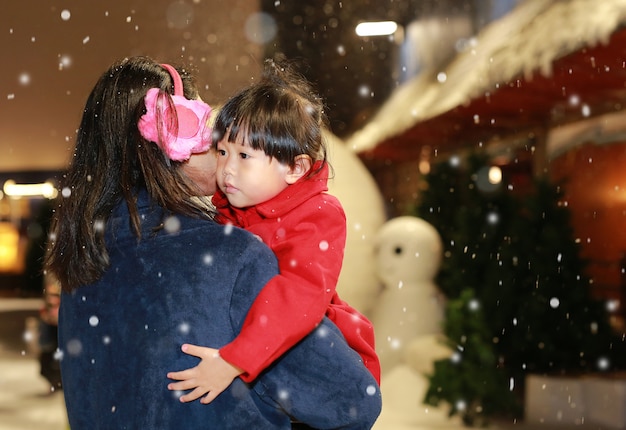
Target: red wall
595	191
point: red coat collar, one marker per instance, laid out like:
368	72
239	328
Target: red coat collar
291	197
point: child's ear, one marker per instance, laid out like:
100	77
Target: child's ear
303	164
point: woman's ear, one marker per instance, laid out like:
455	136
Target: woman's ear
302	165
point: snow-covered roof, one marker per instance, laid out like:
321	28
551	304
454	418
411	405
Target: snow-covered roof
525	41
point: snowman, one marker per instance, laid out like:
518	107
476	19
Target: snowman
408	323
363	203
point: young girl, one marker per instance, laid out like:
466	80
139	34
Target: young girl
272	176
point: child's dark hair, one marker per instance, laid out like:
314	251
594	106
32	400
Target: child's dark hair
280	114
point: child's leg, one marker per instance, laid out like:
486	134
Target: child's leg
359	333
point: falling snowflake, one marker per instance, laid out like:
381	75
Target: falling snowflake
228	229
184	327
603	363
585	110
574	100
74	347
260	28
612	305
322	332
28	336
493	218
394	343
461	405
24	79
207	259
98	225
58	355
64	62
172	224
364	91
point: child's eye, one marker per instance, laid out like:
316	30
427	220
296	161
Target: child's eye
221	152
244	155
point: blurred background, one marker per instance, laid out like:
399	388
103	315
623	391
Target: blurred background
56	51
435	85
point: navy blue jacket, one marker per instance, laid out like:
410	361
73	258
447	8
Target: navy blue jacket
193	282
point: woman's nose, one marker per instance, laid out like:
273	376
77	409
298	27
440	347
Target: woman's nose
227	168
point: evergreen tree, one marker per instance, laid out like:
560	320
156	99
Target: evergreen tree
518	298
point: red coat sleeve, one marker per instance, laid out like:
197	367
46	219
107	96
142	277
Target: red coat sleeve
309	243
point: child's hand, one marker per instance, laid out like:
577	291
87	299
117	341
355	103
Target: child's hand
211	376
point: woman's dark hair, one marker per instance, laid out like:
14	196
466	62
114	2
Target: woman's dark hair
111	161
280	114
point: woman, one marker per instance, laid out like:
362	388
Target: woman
145	270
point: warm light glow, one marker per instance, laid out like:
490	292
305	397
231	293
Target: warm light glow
380	28
495	175
45	189
9	248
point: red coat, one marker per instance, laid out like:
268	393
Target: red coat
306	229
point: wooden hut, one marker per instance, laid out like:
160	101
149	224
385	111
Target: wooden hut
543	89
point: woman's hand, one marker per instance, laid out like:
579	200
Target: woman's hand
211	376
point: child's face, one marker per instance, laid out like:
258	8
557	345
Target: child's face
248	176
